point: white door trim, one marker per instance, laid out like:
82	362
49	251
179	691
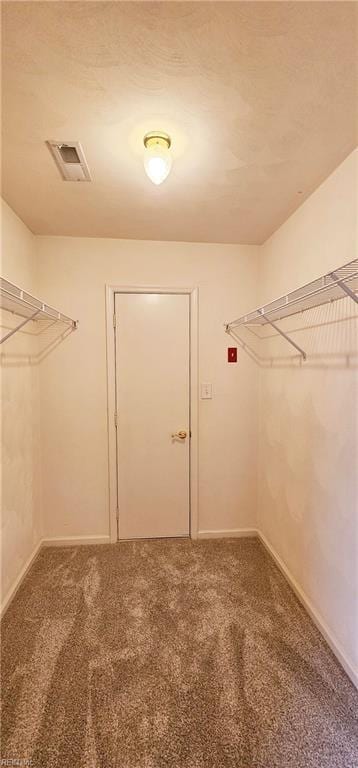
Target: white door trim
193	293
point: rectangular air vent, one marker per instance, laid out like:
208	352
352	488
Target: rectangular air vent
70	160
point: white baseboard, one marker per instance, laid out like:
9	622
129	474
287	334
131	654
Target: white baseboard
75	541
328	635
15	586
228	533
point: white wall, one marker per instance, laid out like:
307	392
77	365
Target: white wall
308	415
73	274
21	523
308	493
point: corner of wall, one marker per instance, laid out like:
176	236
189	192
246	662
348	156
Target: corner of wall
22	519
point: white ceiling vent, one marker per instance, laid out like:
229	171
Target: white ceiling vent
70	160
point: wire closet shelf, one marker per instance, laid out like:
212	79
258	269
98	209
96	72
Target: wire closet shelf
330	287
22	304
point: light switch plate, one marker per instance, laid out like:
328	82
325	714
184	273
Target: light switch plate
206	390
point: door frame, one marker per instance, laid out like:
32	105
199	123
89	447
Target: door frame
193	294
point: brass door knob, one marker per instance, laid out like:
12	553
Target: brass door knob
182	434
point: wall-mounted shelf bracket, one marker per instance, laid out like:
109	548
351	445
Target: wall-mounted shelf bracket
228	329
285	335
14	330
344	287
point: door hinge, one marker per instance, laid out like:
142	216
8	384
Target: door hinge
117	514
115	420
114	320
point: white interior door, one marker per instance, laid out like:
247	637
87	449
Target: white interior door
153	384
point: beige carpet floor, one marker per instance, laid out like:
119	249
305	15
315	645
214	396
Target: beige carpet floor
169	654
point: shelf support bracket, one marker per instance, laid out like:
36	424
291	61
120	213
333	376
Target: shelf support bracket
282	333
344	287
24	322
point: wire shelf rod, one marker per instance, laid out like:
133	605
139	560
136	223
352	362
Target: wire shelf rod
45	309
19	302
329	283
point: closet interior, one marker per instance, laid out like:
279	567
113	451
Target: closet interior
179	524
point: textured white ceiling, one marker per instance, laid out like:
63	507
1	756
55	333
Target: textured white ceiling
260	100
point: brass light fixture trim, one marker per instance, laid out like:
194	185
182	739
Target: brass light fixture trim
157	137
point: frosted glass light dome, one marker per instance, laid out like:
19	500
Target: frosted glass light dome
157	157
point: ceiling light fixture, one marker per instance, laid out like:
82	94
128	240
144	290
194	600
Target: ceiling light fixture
157	157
